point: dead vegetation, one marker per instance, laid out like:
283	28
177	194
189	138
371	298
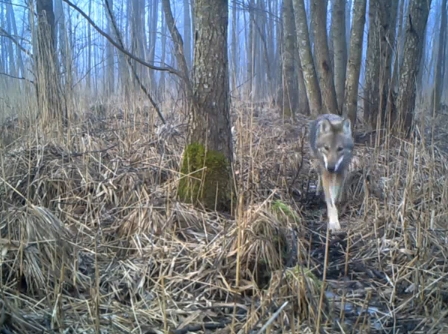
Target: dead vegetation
93	238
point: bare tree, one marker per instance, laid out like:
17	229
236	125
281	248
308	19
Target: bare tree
339	49
15	62
348	12
89	52
110	77
208	155
416	26
234	47
137	17
354	62
163	55
441	57
153	17
250	46
187	33
382	28
66	51
290	97
48	85
306	58
304	107
321	53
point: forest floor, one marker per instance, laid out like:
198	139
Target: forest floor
93	238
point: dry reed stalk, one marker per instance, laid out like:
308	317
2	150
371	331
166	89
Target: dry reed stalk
94	237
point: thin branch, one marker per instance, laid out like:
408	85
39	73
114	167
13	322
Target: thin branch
18	78
4	33
168	69
179	45
128	59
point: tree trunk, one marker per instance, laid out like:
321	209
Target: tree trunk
414	36
235	48
306	58
208	155
250	49
401	15
382	16
441	58
270	43
348	12
137	39
187	33
89	54
110	61
339	49
278	98
67	66
321	53
290	101
354	62
162	86
49	96
304	107
153	17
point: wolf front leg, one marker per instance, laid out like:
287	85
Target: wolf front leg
319	178
338	186
331	189
318	185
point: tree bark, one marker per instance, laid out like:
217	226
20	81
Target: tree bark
382	18
209	152
414	36
339	49
321	53
306	58
441	58
187	32
110	61
290	85
137	39
49	96
153	17
354	62
304	107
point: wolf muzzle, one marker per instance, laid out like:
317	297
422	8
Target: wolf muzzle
333	168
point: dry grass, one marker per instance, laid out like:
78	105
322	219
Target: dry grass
94	240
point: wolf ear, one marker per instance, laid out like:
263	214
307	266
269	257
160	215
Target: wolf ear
324	126
347	127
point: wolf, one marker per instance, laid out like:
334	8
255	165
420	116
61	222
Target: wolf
331	142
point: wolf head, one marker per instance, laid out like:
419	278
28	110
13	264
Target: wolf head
334	143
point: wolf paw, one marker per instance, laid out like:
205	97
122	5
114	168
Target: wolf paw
334	225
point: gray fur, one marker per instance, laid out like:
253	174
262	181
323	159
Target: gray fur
332	130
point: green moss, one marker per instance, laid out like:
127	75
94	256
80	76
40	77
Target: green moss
206	179
283	210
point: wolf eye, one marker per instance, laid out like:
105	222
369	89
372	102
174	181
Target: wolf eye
340	149
326	148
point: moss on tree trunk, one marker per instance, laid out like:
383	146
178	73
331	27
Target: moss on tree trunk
206	178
